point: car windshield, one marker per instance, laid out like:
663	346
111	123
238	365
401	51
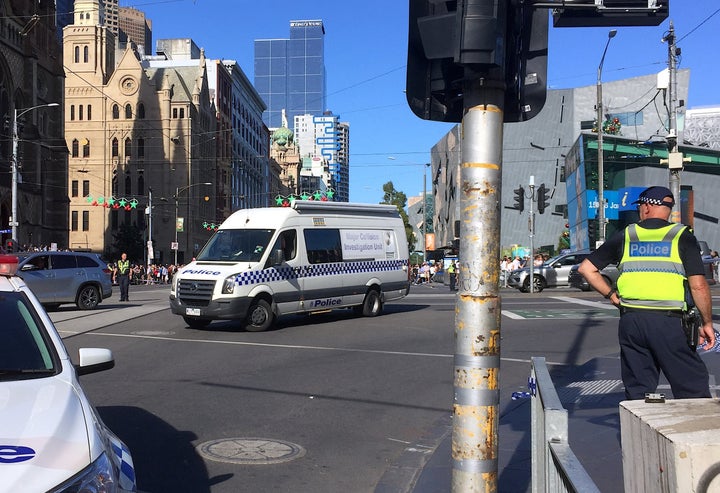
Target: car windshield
236	245
25	351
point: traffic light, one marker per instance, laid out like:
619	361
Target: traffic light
592	231
10	246
519	199
543	198
608	13
526	62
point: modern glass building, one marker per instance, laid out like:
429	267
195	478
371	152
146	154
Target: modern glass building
290	73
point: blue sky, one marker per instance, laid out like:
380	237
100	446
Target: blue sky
366	54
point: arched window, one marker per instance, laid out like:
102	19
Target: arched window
141	185
115	112
115	147
128	185
86	148
182	112
86	54
128	111
80	112
75	148
128	147
141	111
77	54
141	148
89	112
72	112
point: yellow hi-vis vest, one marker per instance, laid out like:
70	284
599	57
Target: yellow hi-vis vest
652	275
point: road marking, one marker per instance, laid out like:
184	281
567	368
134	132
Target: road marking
291	346
594	304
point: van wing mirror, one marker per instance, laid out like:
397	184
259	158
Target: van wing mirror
277	257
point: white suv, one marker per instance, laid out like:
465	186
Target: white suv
52	438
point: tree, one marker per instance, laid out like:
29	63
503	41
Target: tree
399	200
128	239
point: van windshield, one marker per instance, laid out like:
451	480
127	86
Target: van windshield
236	245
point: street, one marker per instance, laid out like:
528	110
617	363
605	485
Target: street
333	402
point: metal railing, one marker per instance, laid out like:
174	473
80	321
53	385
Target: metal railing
555	468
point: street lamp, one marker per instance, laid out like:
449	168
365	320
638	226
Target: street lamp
601	164
177	192
15	140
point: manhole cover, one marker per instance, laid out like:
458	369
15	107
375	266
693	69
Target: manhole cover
250	451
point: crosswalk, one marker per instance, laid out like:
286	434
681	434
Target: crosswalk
566	307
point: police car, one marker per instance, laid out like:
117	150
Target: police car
51	438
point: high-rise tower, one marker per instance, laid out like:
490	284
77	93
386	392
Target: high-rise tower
290	73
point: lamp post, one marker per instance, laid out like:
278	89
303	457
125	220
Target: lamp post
601	164
177	192
15	140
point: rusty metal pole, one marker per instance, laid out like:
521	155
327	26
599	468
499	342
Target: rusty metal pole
477	312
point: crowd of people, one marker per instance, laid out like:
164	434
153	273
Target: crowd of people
151	274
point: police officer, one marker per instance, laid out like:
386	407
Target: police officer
658	261
122	273
452	272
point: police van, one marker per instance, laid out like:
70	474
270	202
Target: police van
313	256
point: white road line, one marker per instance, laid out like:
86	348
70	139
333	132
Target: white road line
291	346
594	304
513	315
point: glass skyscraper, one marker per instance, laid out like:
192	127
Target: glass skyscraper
290	73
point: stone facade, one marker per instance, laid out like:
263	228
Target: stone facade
31	78
129	130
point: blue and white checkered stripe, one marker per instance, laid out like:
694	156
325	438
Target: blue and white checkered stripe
316	270
127	469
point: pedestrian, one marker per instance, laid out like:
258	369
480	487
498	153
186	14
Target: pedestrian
122	274
452	273
661	274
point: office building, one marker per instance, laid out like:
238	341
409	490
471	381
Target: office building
325	139
290	73
559	149
134	27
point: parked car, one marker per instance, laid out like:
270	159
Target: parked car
554	272
52	437
66	277
611	274
576	280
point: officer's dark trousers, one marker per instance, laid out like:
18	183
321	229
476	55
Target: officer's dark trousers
652	341
124	283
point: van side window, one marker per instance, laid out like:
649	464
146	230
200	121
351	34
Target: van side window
287	242
323	245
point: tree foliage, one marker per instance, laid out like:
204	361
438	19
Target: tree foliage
128	239
399	200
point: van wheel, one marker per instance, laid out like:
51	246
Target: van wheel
88	298
260	316
196	323
372	305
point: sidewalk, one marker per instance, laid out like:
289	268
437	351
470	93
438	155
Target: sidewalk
594	430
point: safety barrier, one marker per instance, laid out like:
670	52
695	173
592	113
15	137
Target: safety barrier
555	468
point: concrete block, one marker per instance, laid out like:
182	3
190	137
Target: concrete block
672	446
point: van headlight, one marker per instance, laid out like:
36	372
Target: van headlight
100	476
228	286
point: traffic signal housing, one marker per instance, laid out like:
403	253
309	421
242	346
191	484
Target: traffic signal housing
608	13
543	198
592	231
519	199
450	43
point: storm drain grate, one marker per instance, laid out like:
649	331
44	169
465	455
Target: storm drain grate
250	451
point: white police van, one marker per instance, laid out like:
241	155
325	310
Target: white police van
312	256
51	438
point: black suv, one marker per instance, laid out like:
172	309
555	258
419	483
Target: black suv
66	277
